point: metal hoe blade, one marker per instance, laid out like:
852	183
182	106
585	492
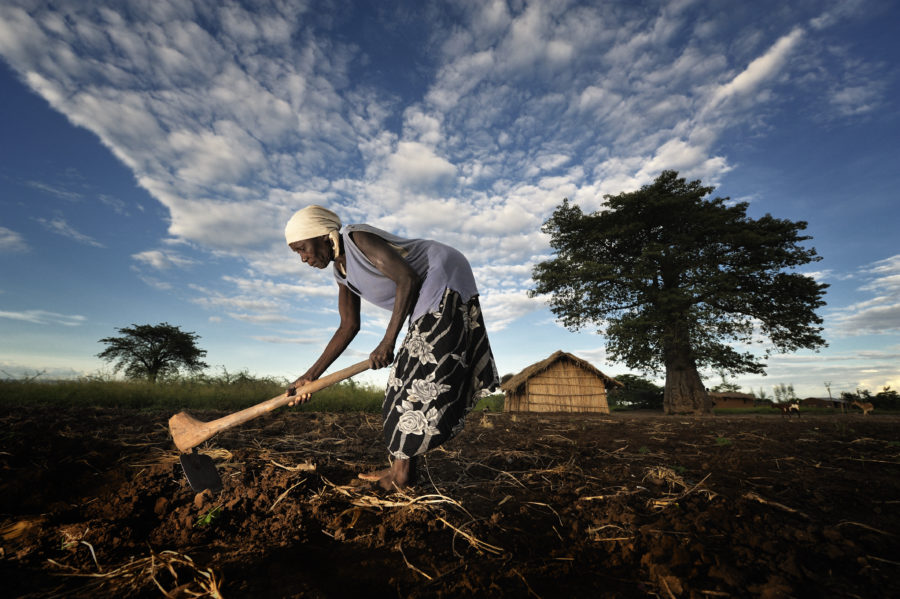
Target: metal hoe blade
200	471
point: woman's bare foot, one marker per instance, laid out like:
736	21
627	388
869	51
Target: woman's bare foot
374	477
400	475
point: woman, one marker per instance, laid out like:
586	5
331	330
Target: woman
444	364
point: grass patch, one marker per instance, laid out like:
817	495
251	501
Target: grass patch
227	393
189	394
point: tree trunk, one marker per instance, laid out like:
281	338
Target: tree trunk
684	392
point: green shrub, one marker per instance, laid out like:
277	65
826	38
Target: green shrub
491	403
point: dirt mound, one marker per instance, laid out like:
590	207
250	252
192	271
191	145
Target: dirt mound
94	503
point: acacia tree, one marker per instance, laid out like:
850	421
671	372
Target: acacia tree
673	278
153	351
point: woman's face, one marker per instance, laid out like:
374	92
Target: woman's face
316	251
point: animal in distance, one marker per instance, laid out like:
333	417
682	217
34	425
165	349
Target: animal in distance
788	409
865	406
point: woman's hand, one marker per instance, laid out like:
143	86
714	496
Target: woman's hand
292	391
382	356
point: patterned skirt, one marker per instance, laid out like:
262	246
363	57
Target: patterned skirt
443	368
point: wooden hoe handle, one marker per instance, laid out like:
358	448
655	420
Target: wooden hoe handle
188	432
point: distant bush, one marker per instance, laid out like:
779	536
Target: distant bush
491	403
637	393
887	399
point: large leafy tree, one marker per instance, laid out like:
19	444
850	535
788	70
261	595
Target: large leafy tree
153	351
673	279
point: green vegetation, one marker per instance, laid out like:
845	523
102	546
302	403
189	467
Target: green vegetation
228	392
491	403
637	393
209	517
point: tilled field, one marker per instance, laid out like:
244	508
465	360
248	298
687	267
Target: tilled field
94	504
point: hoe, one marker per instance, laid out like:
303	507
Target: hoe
188	432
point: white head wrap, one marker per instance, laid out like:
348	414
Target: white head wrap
314	221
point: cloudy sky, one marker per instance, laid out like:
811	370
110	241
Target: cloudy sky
151	152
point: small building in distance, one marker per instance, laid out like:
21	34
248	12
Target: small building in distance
559	383
823	402
731	400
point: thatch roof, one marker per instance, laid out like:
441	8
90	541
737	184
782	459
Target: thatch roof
515	383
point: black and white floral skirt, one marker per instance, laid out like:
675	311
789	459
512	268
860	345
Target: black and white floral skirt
443	368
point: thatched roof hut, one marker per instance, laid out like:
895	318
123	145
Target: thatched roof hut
560	383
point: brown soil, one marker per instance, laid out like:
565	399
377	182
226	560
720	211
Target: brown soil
94	504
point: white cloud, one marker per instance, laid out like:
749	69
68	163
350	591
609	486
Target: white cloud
315	341
162	260
223	155
44	317
156	283
118	206
886	267
878	319
59	226
55	191
266	288
693	160
253	309
879	314
596	356
854	100
840	11
758	71
12	242
260	318
416	167
502	308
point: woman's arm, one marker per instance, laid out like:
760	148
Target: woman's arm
386	259
348	308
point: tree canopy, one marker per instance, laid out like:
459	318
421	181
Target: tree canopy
153	351
675	280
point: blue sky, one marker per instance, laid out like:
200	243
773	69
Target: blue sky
150	153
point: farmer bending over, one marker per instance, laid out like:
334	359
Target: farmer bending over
444	364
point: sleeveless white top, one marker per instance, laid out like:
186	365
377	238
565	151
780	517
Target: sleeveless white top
439	265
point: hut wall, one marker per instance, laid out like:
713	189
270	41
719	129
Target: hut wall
564	387
513	402
732	403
